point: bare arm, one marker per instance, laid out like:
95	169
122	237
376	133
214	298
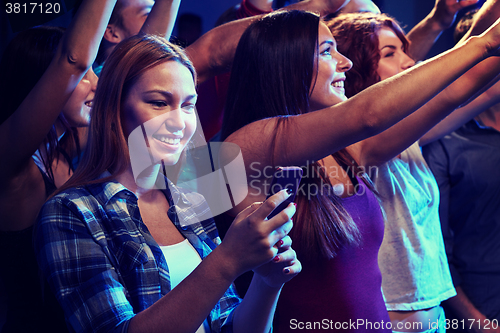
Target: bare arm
422	123
161	19
322	7
24	131
312	136
427	31
463	114
213	53
464	309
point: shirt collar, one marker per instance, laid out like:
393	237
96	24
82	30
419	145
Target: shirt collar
113	188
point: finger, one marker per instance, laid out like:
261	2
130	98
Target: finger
280	222
280	232
287	257
270	204
293	269
248	211
283	244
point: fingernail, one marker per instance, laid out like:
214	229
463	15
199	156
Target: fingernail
289	191
286	270
280	242
276	259
294	204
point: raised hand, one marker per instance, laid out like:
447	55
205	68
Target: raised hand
445	11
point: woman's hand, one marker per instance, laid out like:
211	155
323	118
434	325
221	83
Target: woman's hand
283	267
251	239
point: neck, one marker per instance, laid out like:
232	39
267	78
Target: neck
144	184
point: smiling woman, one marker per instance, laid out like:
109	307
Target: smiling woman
164	99
136	233
286	106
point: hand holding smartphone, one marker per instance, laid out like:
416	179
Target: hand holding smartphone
284	178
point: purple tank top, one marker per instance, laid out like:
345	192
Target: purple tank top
344	292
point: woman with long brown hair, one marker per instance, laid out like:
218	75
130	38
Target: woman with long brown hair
286	106
141	254
412	250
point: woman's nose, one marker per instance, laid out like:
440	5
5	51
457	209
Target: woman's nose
175	120
343	63
407	62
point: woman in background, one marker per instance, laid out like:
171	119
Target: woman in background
47	89
290	109
413	249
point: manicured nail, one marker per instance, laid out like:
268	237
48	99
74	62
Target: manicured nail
276	259
286	270
280	242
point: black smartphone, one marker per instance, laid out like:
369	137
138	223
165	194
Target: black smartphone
284	178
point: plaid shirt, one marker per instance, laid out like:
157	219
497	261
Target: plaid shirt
103	263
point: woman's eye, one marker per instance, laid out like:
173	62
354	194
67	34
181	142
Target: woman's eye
388	55
158	104
326	52
188	108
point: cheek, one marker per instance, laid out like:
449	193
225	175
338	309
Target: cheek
191	124
386	70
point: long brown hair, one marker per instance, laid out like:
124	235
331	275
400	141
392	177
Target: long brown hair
276	57
357	38
107	148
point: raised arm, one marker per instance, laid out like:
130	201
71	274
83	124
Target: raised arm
314	135
427	31
161	19
213	53
433	120
23	132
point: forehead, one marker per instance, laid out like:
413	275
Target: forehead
169	76
324	33
356	6
133	5
387	35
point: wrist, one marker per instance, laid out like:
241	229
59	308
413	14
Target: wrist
435	23
261	283
226	265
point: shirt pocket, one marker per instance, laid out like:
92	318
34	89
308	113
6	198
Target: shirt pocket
132	255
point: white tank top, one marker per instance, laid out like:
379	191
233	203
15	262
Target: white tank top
182	258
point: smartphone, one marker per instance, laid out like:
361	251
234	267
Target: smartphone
284	177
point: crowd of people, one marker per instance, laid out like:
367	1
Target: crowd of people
395	225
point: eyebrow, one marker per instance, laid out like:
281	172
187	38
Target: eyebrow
329	42
169	95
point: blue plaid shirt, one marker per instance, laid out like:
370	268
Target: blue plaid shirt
103	264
